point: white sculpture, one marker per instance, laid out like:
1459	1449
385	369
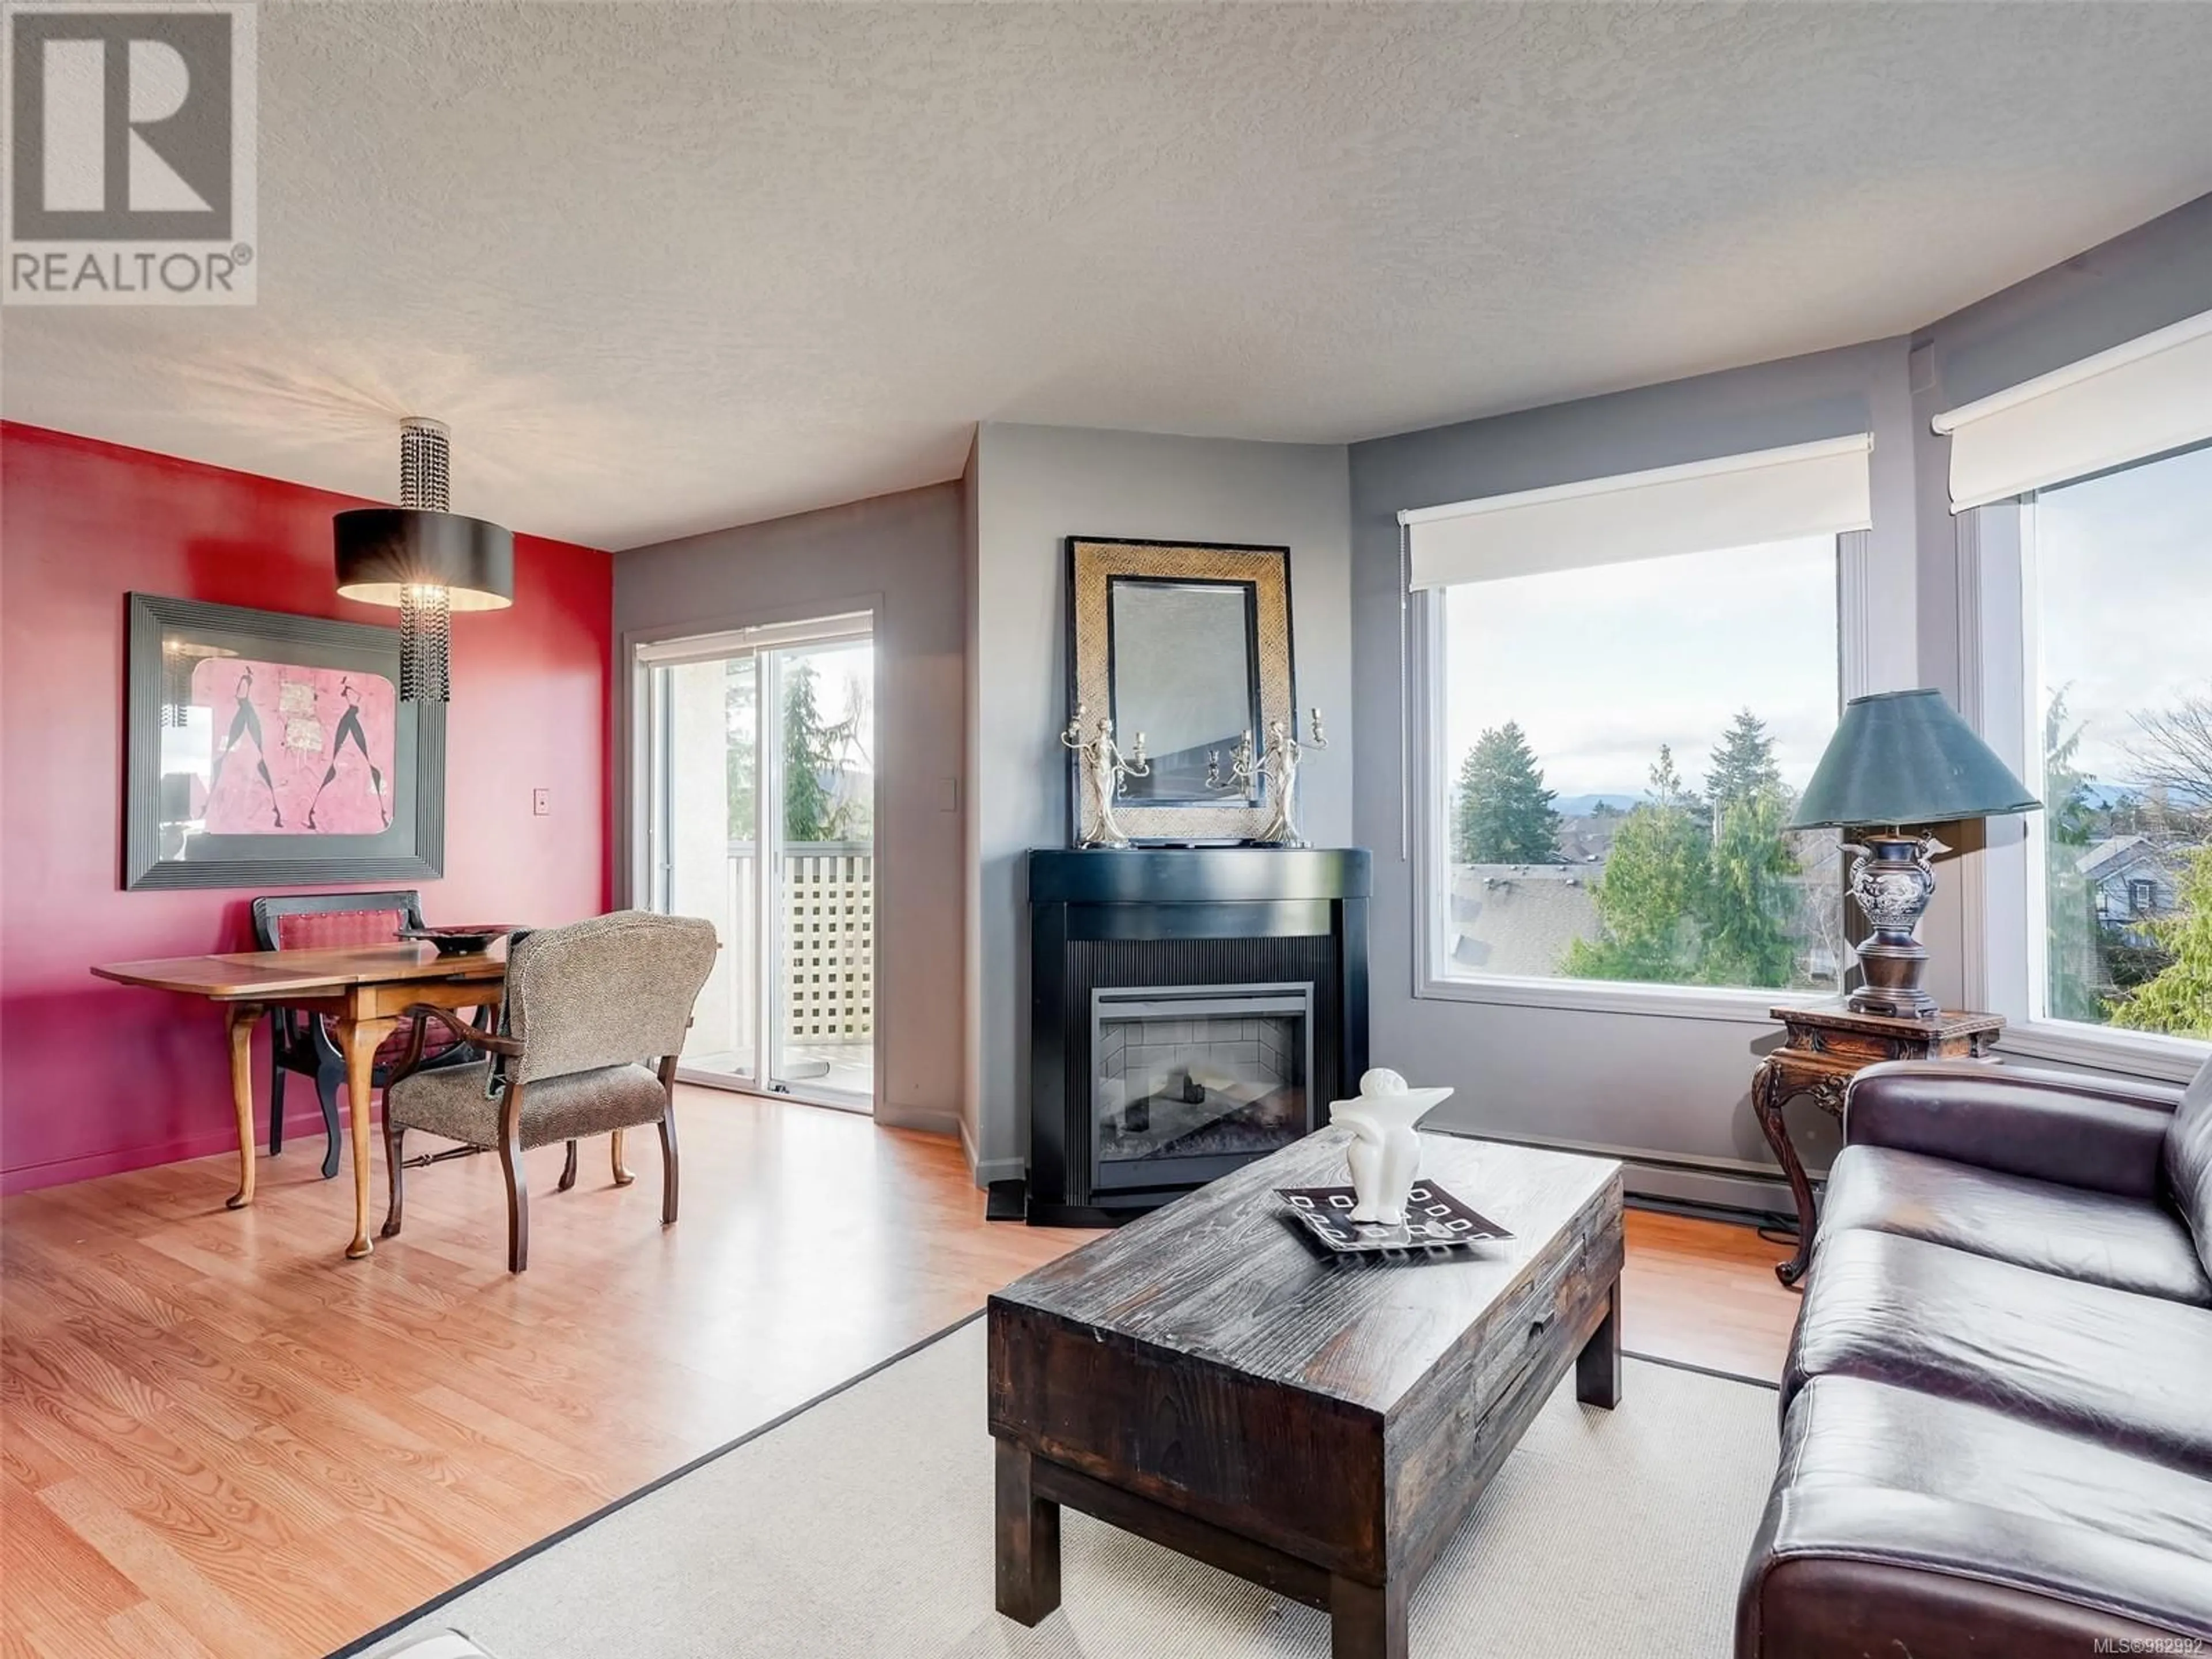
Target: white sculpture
1385	1154
1105	765
1279	764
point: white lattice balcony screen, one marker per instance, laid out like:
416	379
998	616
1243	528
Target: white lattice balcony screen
828	943
828	905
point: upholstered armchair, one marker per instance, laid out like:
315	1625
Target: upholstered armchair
593	1019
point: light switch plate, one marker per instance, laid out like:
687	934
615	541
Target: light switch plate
541	802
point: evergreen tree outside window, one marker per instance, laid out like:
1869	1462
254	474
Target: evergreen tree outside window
1743	766
1506	814
810	746
817	752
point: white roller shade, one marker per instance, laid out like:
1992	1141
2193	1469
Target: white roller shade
1738	501
2141	398
709	648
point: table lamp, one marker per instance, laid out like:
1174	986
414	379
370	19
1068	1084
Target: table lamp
1901	758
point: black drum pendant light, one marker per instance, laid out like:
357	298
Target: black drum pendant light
427	561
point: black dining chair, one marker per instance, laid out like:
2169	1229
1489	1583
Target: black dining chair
301	1042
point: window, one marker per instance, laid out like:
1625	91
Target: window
1615	750
2119	600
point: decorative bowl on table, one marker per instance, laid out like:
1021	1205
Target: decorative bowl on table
468	941
1434	1220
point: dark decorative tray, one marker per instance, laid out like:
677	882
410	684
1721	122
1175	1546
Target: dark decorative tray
1435	1220
460	941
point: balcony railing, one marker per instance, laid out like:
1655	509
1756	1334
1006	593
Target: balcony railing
827	901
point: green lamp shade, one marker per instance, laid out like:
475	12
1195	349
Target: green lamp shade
1902	757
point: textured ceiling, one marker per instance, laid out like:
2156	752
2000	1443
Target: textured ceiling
669	267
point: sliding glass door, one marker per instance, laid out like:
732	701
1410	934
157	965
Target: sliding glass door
759	779
705	748
819	828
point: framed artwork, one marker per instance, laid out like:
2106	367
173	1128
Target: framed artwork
266	750
1189	645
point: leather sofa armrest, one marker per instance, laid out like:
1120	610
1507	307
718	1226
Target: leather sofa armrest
2106	1134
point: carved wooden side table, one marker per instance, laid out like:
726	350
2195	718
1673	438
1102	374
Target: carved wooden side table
1826	1045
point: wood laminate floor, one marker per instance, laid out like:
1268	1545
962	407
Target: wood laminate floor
218	1437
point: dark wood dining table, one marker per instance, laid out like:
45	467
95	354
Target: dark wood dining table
363	989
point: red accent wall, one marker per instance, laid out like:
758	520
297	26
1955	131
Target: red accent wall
96	1077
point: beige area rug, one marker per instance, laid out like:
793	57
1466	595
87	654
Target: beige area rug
862	1526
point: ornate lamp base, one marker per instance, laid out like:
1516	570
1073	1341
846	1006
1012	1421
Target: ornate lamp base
1893	884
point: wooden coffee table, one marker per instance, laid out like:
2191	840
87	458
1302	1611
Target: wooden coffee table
1209	1379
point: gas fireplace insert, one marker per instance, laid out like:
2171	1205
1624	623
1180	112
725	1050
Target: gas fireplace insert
1191	1010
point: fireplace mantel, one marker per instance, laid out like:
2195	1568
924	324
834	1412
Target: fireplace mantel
1200	875
1218	918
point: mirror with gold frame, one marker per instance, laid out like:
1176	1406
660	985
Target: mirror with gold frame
1188	643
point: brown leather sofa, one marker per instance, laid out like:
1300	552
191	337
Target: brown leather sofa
1996	1416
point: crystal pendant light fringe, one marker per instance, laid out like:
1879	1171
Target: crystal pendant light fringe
425	466
425	632
425	612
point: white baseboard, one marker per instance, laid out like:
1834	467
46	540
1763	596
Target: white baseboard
987	1170
929	1120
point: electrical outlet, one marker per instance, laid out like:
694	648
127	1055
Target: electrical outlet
541	801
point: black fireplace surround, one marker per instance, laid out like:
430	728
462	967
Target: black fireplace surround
1190	1010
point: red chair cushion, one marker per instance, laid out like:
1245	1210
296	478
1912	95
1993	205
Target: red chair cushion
323	930
436	1039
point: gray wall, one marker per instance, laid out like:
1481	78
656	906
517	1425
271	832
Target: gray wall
1674	1088
2152	276
1033	486
971	885
902	557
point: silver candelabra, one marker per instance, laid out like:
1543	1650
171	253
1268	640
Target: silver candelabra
1278	765
1103	767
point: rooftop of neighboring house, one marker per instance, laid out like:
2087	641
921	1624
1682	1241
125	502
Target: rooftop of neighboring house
1521	918
2117	855
1587	837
